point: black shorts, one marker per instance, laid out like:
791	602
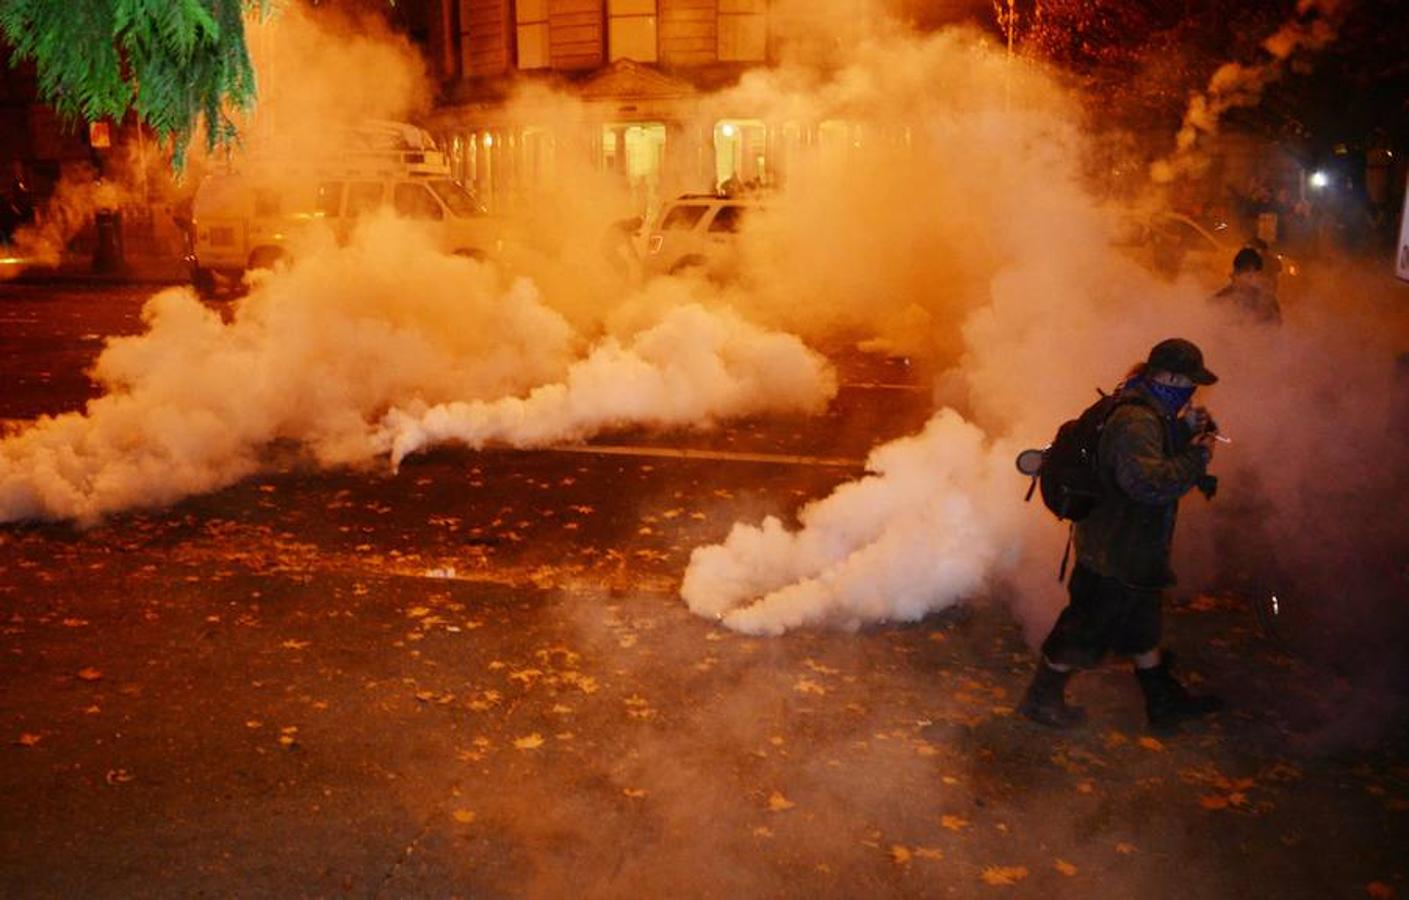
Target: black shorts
1103	616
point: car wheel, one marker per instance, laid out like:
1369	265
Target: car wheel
203	280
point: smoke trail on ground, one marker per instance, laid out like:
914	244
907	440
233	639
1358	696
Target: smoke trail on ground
693	368
927	528
318	354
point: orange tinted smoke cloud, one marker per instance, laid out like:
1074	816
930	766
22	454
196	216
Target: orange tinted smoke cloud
1235	85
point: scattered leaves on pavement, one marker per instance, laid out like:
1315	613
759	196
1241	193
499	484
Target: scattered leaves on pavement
999	876
954	823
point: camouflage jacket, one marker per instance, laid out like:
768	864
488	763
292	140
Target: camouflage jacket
1146	464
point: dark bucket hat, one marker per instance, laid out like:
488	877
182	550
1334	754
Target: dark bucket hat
1181	357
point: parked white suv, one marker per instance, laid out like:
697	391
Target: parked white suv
699	232
248	219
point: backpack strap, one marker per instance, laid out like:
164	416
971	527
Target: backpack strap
1066	554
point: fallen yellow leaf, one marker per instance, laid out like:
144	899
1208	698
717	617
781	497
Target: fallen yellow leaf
1004	875
928	853
90	674
900	855
1150	743
29	740
1214	801
463	816
954	823
634	793
529	742
778	803
1124	849
1065	867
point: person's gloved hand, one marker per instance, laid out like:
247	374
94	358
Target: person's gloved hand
1199	421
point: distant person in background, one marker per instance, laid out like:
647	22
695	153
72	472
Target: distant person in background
1249	290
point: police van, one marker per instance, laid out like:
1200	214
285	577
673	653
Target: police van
248	217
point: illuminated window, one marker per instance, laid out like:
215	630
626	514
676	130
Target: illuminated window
636	151
743	30
531	17
631	30
740	154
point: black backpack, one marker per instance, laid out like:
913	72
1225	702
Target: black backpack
1069	475
1067	470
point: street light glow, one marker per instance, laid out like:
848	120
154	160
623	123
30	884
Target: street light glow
1319	179
728	131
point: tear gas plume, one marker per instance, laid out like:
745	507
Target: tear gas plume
691	369
935	205
1235	85
78	196
929	526
979	225
322	71
317	355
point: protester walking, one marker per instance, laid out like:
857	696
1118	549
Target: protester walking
1154	448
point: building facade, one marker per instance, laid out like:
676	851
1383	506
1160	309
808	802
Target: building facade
647	85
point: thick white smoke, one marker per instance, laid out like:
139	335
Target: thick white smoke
982	220
318	354
930	526
693	368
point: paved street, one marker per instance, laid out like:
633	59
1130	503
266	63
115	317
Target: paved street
475	678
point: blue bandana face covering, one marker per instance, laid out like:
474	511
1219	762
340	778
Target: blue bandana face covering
1170	397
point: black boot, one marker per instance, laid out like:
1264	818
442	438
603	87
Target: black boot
1045	702
1167	703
